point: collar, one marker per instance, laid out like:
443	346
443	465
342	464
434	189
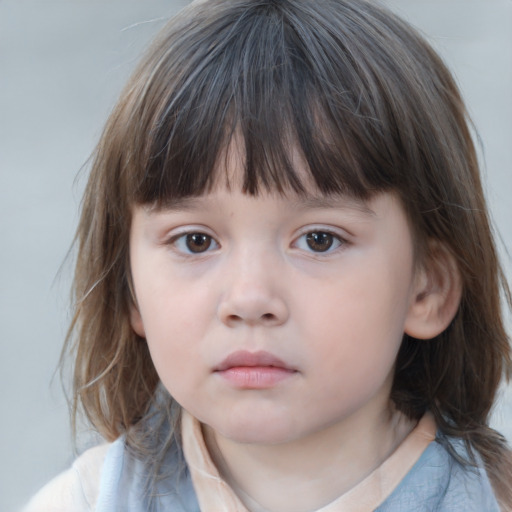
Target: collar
214	494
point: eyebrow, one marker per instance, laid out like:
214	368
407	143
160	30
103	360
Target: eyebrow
184	204
334	202
180	204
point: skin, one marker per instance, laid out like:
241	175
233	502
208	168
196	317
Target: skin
328	286
335	317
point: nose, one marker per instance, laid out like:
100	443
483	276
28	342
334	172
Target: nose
252	295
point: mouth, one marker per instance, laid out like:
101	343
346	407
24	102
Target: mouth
244	358
254	370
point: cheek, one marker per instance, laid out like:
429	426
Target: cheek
358	323
173	307
353	359
175	321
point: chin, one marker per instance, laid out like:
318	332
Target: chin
264	431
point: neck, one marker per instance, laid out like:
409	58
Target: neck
306	474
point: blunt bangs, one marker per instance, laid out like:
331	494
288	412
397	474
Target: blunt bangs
283	78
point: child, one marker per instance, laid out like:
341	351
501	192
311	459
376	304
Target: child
287	290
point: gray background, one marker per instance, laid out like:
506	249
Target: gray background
62	64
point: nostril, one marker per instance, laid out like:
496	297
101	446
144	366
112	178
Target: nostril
244	309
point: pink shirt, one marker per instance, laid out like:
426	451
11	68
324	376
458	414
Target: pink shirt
214	494
77	489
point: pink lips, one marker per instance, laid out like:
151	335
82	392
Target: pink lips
253	370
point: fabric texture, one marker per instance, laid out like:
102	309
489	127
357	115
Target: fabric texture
76	489
213	492
422	475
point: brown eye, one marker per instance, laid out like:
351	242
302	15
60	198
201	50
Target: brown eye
198	242
319	241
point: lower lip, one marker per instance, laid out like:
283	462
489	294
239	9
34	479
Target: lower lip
255	377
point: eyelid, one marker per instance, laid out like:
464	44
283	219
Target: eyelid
341	235
186	229
179	233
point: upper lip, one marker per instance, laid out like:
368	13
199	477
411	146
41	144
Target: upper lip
246	358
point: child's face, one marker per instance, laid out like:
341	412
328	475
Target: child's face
271	318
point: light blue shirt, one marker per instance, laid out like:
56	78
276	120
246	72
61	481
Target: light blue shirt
436	483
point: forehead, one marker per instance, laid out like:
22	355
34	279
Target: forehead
225	209
309	200
229	176
231	169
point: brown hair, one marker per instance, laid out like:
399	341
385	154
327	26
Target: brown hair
372	108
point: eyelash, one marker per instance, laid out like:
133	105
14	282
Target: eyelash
334	242
181	239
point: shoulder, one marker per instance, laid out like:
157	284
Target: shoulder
467	487
76	489
438	481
